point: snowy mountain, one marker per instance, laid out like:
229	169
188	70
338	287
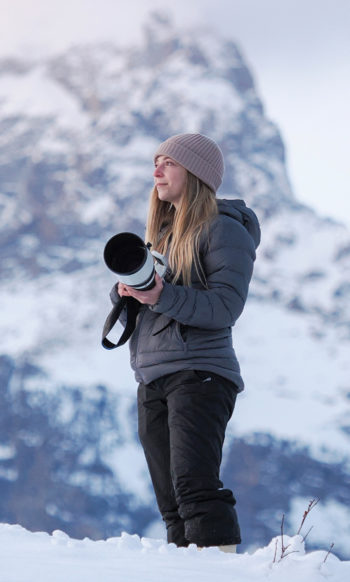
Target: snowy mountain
77	136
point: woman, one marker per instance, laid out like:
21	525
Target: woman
181	349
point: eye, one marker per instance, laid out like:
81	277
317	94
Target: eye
169	163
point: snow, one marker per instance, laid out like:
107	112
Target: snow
38	557
7	452
294	248
299	383
34	94
8	474
97	209
128	463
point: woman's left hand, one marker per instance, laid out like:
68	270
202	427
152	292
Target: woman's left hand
149	297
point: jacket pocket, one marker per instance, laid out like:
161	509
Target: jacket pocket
160	335
183	329
208	339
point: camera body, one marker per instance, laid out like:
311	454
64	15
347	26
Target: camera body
132	261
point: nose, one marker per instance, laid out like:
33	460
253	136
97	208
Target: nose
158	171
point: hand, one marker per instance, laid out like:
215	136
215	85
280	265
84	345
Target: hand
149	297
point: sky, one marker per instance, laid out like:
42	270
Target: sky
298	51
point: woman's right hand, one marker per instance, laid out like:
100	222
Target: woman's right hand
123	290
149	297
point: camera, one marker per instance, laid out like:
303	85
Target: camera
133	262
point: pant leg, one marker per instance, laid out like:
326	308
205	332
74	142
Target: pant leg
199	406
154	436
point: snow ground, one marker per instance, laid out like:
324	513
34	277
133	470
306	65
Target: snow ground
39	557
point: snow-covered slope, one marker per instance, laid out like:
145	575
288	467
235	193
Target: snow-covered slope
76	143
29	557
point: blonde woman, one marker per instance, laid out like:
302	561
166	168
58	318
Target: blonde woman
181	349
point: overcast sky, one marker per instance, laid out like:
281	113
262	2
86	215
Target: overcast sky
298	50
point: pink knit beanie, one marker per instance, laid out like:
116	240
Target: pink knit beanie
199	154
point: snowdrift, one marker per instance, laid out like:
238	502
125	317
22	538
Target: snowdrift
39	557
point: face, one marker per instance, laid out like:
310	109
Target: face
169	179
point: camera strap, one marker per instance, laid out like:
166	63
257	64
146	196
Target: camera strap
132	308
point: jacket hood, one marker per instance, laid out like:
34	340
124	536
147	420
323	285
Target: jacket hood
238	210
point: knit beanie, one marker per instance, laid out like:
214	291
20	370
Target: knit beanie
199	154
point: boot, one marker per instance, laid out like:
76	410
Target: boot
231	549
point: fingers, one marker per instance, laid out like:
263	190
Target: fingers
123	290
149	297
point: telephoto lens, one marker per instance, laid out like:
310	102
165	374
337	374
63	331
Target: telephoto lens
131	260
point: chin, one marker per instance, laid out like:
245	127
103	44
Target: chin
163	198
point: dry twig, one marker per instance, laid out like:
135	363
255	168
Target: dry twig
274	558
283	547
305	536
284	553
311	505
329	551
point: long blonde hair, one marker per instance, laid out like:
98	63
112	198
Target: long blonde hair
179	230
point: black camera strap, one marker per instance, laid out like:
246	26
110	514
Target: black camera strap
132	308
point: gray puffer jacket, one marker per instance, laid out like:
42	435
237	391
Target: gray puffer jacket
190	327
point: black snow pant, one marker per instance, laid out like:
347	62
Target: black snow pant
182	422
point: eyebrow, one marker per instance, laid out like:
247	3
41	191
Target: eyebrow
165	158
